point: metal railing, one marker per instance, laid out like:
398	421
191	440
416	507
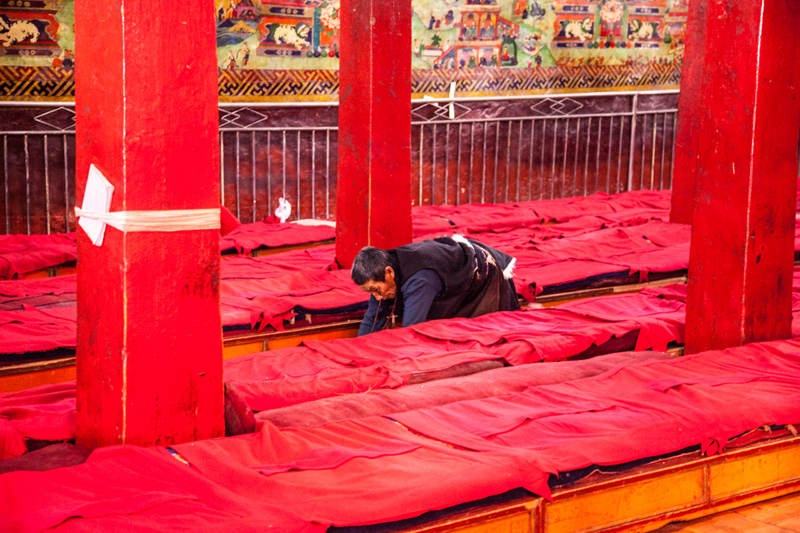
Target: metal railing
463	150
527	148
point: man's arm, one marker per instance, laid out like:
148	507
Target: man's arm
419	291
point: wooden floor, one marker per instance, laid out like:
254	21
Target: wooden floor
781	515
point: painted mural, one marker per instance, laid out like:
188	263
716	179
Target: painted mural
461	34
289	49
36	33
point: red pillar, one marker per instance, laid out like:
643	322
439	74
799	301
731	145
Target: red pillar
687	138
373	197
740	272
149	337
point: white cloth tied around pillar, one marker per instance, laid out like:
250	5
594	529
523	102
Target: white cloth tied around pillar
94	215
169	220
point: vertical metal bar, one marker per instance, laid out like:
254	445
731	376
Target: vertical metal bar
635	108
297	217
508	159
564	163
619	150
519	158
496	154
238	172
575	163
653	152
66	183
597	155
555	143
644	149
608	159
221	168
5	183
458	168
47	183
446	161
530	164
328	174
586	162
269	173
421	134
471	157
313	173
27	184
483	166
663	150
253	154
433	168
672	161
541	161
283	164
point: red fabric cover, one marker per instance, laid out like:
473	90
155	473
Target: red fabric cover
38	287
125	488
42	413
239	418
22	254
563	209
660	407
483	384
270	301
248	237
227	221
429	221
389	358
330	457
387	487
476	218
532	280
12	444
38	330
315	259
491	445
56	455
472	449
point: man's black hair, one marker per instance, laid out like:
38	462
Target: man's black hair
370	265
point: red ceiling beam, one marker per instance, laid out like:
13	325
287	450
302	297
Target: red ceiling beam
149	357
740	272
373	197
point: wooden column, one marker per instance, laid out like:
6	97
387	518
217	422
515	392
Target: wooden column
687	137
373	197
740	273
149	337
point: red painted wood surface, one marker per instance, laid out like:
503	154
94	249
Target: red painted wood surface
687	136
149	336
373	197
740	274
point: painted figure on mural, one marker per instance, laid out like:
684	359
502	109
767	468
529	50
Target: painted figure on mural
230	63
611	13
487	26
469	29
244	54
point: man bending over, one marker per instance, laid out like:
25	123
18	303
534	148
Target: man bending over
440	278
